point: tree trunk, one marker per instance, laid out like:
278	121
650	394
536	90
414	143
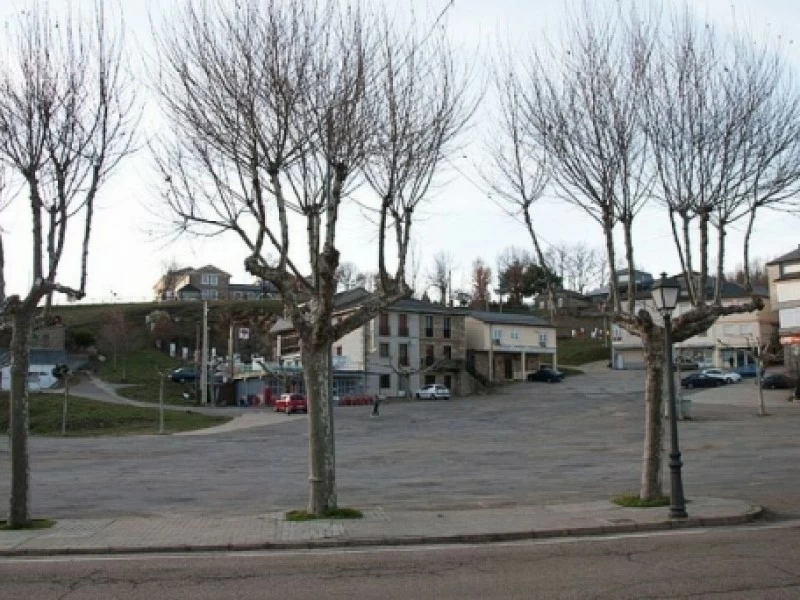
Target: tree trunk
653	347
19	511
319	391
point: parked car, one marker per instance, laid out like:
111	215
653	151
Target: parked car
774	381
748	370
726	376
546	374
183	374
290	403
701	380
433	392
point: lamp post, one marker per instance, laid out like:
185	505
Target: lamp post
665	297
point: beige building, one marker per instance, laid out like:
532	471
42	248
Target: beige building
409	345
508	346
725	344
784	287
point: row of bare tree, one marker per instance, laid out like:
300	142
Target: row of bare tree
277	115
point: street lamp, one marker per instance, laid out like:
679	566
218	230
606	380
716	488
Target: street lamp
665	297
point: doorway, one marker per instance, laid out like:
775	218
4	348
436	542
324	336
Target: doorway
509	367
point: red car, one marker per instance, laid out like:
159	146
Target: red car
290	403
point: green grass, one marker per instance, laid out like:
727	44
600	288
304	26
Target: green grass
141	372
34	524
634	501
333	513
579	351
569	371
91	418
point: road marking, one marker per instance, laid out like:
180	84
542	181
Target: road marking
237	555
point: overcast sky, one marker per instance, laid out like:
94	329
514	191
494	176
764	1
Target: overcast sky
127	256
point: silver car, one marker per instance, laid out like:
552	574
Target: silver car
433	392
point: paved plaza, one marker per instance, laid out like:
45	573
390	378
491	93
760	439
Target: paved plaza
528	444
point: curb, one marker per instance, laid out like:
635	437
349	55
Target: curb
477	538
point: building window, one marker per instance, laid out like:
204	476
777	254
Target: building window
429	355
402	327
383	325
386	381
728	330
429	326
237	295
514	335
430	379
616	333
210	294
497	333
448	382
210	279
447	330
402	355
543	340
383	350
338	350
447	352
746	329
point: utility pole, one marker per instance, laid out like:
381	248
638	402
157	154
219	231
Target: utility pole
230	352
204	358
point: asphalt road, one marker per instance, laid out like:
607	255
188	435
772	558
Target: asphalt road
731	564
532	444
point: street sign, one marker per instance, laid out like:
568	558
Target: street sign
244	333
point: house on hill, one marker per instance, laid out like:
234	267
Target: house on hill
207	283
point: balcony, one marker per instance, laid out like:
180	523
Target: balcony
402	332
384	331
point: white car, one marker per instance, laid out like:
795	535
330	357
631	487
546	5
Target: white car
726	376
433	392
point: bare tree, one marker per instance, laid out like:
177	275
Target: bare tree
66	120
277	109
578	265
116	333
440	274
348	276
170	274
481	280
627	109
3	205
519	173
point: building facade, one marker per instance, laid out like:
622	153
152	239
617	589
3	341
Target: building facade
726	344
207	283
507	346
784	286
411	344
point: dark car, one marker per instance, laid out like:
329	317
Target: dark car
748	371
546	374
777	381
701	380
183	374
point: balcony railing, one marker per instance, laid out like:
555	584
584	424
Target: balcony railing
384	331
402	332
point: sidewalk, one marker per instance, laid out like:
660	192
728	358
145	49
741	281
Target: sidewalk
176	533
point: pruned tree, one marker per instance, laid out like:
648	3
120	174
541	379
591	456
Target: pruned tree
67	116
754	275
440	274
481	280
276	110
628	109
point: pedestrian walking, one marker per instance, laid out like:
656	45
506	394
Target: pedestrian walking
376	406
